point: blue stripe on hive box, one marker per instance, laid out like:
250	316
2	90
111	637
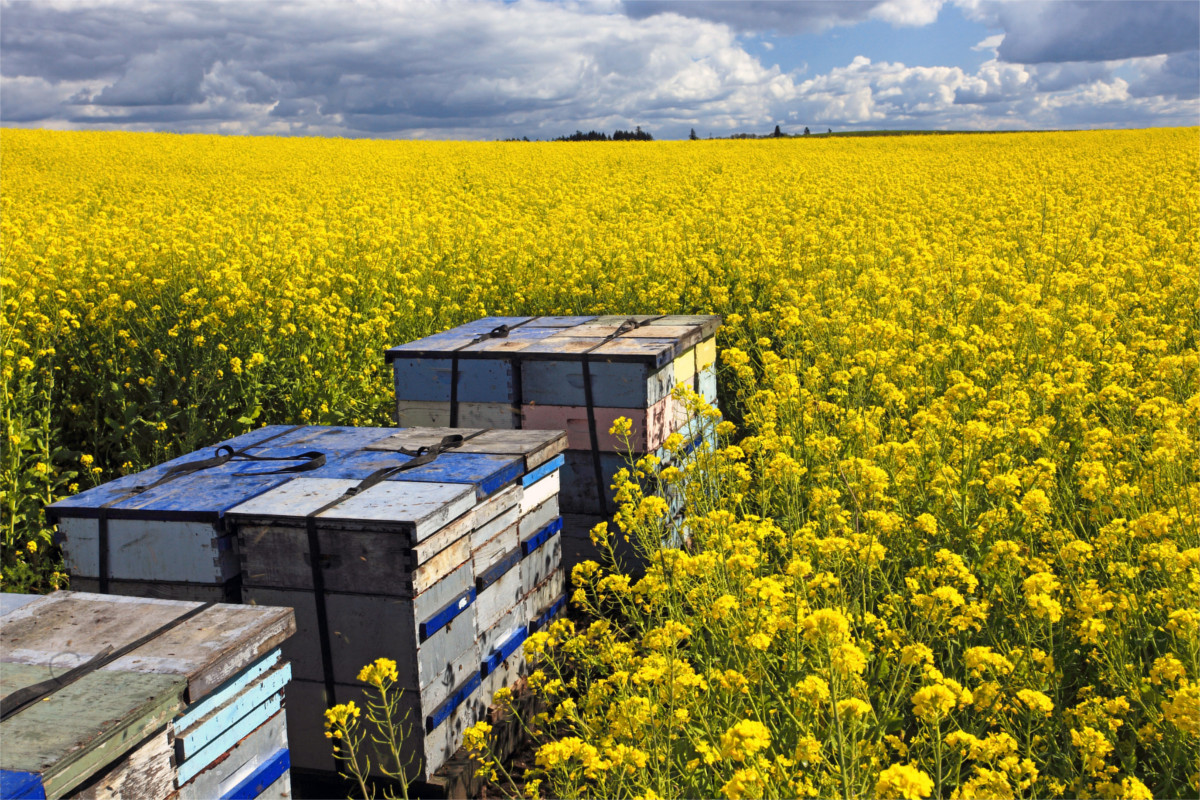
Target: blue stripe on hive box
146	672
406	567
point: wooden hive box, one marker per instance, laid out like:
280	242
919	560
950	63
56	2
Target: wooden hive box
178	686
529	372
404	567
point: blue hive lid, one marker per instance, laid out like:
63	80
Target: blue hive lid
487	473
200	495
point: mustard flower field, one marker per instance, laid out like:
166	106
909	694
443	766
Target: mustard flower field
950	543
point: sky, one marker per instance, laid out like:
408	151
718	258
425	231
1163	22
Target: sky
491	69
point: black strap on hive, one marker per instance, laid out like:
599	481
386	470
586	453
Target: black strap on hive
498	332
593	435
22	698
420	457
224	454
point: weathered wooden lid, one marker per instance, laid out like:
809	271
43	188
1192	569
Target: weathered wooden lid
207	494
66	629
484	464
61	741
536	447
662	338
415	507
487	473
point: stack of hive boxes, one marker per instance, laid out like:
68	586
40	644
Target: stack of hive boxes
429	547
109	697
426	567
577	374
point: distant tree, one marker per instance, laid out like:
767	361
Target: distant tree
806	131
829	131
692	136
601	136
778	133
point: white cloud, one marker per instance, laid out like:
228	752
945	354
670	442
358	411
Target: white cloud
376	68
912	13
997	95
990	43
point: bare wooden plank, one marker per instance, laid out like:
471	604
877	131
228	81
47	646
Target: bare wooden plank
146	772
560	346
427	548
541	564
538	518
419	508
659	352
213	646
72	734
164	590
561	321
545	595
412	438
504	343
490	637
685	336
617	319
494	526
540	492
537	446
497	600
494	548
592	330
498	503
67	628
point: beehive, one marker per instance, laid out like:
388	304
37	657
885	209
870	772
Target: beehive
111	696
413	545
427	573
577	374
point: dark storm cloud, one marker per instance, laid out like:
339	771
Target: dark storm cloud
1178	76
759	15
1094	30
789	17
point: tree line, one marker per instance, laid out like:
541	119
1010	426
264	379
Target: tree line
636	135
